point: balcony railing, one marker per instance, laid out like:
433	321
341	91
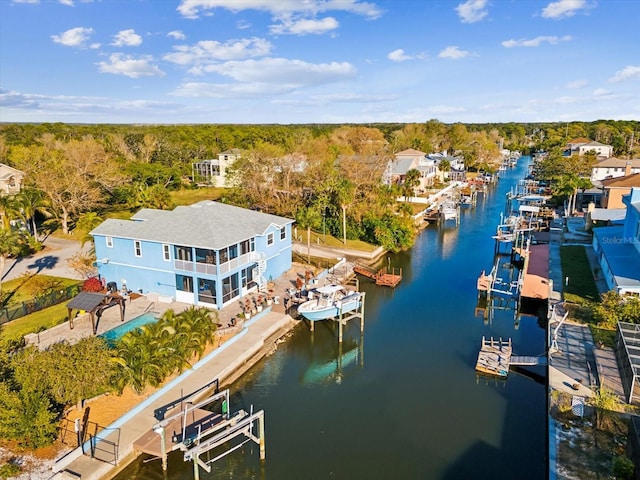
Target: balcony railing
212	269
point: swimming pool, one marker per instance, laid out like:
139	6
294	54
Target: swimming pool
113	335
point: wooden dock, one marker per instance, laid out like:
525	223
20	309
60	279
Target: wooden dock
385	276
494	357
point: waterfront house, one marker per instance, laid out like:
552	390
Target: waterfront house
613	168
206	254
600	149
213	172
10	179
616	188
618	248
410	159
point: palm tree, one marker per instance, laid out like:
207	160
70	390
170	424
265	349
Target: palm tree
308	217
344	193
411	181
12	243
9	209
32	201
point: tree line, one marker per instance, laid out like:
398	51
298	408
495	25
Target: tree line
324	176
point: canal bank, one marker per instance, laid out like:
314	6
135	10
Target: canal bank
224	365
403	399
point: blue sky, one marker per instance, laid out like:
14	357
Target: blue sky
318	61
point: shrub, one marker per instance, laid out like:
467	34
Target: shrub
9	470
92	284
623	468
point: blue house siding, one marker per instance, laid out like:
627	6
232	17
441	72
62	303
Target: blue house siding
618	249
260	250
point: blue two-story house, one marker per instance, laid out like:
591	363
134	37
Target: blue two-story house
208	253
618	248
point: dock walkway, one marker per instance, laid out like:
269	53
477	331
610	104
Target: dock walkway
224	363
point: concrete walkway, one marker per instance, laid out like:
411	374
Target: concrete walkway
240	351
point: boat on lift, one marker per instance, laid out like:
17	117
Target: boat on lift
329	301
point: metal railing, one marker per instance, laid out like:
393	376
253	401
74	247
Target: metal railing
13	312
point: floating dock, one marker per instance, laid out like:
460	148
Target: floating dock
385	276
494	357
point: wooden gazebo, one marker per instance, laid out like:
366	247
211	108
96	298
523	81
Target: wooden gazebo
94	304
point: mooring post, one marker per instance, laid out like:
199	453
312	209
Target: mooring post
263	453
196	470
362	314
163	446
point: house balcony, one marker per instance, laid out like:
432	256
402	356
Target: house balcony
212	269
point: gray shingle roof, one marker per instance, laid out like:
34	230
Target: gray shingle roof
204	224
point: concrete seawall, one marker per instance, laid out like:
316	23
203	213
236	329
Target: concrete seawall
226	363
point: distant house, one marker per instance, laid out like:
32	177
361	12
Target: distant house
214	171
455	172
206	254
410	159
616	188
614	168
618	248
581	146
600	149
10	179
575	143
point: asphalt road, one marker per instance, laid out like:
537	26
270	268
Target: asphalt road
52	260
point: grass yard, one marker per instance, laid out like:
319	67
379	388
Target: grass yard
26	287
34	322
189	196
581	287
328	241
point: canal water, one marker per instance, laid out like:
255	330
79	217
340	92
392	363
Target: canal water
402	400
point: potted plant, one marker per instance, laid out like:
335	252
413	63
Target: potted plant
259	303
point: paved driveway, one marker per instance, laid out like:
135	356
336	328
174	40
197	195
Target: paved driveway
52	260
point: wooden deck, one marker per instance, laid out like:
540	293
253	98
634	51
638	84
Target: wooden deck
385	276
494	357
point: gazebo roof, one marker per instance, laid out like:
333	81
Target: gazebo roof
86	301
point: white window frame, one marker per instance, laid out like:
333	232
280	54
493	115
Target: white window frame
270	239
166	252
109	242
283	233
137	248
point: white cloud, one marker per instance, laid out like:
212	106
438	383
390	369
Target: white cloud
127	38
121	64
177	35
627	73
74	37
564	8
472	10
399	56
62	2
601	92
453	52
210	51
284	71
305	26
229	90
575	84
536	42
281	8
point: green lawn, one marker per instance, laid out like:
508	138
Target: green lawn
189	196
34	322
328	241
24	288
581	287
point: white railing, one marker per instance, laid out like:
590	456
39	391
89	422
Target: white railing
207	268
183	265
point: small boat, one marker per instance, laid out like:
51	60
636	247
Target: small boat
329	301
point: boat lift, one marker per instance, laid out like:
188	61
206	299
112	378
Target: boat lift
196	430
